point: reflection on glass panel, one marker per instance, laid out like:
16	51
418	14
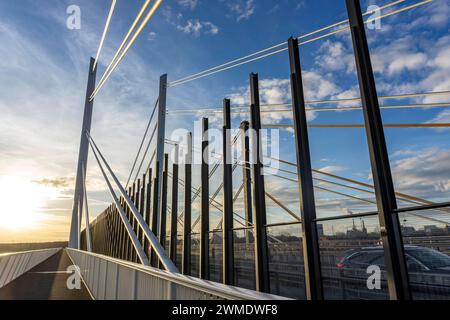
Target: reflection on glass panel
286	261
341	172
167	244
285	192
179	261
215	256
426	237
244	259
216	197
195	254
352	259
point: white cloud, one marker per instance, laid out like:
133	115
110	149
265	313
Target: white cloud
331	169
442	117
242	9
196	27
435	14
334	56
397	57
191	4
152	36
426	173
278	91
412	61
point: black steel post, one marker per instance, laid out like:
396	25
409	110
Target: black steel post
227	224
397	272
246	178
122	232
142	208
186	263
155	213
259	214
135	226
148	210
163	224
130	219
174	212
204	215
311	253
139	209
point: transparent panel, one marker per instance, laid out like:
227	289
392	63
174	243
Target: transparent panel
426	237
286	261
216	195
169	200
352	259
195	254
196	198
282	200
167	244
215	256
179	262
244	259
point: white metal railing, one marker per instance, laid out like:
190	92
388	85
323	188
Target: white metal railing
13	265
113	279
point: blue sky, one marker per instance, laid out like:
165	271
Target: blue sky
43	69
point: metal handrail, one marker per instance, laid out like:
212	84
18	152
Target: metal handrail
207	287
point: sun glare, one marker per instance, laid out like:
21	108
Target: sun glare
21	201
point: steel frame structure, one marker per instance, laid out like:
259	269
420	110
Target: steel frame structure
128	228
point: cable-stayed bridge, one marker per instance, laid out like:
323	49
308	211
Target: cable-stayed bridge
157	239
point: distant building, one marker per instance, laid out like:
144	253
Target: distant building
432	229
320	232
408	231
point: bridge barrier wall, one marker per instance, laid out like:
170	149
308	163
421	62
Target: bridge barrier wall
13	265
113	279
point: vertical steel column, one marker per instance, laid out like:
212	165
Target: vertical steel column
148	210
204	215
174	215
259	214
163	224
227	224
131	220
397	272
186	263
142	207
155	229
74	237
246	178
137	201
122	231
311	253
135	224
86	213
116	247
160	143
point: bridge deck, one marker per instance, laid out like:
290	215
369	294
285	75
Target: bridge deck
46	281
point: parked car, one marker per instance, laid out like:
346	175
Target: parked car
418	259
428	269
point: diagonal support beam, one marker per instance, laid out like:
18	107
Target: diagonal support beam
156	247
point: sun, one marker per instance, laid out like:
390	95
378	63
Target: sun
21	201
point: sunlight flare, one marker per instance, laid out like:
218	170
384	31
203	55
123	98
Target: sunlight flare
21	201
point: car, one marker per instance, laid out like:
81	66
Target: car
418	259
428	270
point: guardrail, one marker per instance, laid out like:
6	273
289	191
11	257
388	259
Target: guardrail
113	279
13	265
